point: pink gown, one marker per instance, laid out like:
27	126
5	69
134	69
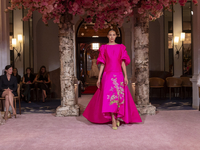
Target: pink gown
112	96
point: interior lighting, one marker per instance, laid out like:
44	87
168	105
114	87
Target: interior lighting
95	46
14	42
20	38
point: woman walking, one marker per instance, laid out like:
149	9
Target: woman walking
112	101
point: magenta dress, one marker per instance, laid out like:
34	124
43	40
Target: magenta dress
112	96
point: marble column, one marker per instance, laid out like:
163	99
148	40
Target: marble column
141	51
196	55
68	106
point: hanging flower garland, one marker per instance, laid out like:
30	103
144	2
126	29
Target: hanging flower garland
103	13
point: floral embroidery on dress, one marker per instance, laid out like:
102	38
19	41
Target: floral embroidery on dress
118	92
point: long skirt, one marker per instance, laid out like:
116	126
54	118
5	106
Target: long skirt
113	96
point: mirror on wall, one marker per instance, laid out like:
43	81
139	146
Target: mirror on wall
168	51
28	42
187	43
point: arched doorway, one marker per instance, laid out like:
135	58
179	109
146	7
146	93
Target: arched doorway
88	42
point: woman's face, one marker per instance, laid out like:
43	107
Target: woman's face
28	71
9	71
43	70
14	71
111	36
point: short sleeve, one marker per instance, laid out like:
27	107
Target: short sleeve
101	57
125	56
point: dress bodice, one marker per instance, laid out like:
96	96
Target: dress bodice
112	56
43	78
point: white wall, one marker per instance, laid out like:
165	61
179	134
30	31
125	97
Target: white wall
4	36
46	44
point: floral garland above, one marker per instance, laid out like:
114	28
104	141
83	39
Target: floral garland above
103	12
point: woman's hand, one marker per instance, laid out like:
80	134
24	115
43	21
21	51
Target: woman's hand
98	83
126	81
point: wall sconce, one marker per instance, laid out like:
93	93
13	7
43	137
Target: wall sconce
14	44
176	41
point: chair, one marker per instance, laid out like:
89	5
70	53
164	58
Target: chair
15	100
173	83
37	91
186	83
32	89
156	83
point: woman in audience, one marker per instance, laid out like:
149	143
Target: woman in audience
8	89
43	81
28	83
15	73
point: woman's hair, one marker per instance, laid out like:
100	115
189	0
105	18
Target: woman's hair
40	72
28	68
17	71
7	67
112	30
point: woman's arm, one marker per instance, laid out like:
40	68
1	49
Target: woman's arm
100	73
35	80
23	80
125	73
48	79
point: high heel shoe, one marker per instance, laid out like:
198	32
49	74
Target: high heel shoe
15	114
118	123
114	128
6	116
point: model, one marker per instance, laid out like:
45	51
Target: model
112	101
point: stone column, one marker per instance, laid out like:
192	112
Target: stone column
66	47
141	51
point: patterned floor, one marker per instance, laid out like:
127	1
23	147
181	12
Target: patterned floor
161	104
173	104
38	107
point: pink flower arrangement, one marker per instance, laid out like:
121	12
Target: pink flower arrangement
103	12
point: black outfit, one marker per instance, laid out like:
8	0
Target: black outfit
43	86
18	78
5	84
27	87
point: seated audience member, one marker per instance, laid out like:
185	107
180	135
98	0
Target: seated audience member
8	89
15	73
43	82
28	83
